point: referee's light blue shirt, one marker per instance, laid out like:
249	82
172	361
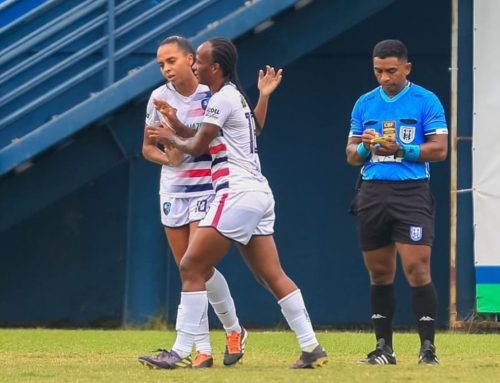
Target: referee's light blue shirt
415	112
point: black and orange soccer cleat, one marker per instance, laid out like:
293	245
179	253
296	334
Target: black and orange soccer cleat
235	347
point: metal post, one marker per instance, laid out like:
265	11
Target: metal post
453	163
110	78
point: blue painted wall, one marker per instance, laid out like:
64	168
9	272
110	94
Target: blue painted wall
64	266
68	262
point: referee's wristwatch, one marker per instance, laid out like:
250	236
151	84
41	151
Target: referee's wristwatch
400	153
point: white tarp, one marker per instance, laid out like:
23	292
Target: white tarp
486	132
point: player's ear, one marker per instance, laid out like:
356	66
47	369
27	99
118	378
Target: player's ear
215	67
190	59
408	68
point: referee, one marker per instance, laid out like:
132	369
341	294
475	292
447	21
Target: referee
396	130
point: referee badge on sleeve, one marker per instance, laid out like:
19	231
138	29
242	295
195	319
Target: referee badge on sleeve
416	233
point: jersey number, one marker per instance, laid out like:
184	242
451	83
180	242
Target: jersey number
253	137
201	206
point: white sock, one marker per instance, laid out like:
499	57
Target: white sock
294	310
190	324
202	341
220	298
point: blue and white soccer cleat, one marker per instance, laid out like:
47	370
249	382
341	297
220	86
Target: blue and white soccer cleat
313	359
165	359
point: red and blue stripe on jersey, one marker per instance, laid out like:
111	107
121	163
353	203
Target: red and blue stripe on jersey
220	165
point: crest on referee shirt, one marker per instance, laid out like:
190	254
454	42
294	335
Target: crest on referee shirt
416	233
166	207
406	134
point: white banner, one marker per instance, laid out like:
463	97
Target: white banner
486	154
486	132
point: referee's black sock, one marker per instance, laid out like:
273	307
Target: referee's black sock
425	308
383	305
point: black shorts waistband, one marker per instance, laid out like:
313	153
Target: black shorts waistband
402	182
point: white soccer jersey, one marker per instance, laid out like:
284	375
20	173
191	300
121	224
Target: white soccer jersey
193	176
235	162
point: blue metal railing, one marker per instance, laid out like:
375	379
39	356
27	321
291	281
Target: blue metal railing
129	38
8	5
36	37
105	45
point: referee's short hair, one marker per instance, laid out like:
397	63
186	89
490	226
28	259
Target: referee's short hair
390	48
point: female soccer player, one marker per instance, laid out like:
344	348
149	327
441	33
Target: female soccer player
241	212
185	186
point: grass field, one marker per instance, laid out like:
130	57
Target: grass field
111	356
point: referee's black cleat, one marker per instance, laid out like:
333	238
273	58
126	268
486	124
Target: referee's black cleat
383	354
428	354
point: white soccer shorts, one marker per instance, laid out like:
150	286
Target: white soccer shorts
176	212
240	215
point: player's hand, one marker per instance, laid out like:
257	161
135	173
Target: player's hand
269	81
387	147
367	138
161	135
168	114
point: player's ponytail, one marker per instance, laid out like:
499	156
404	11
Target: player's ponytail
225	54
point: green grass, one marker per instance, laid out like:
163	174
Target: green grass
111	356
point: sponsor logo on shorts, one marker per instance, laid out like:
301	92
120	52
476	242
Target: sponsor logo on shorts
406	134
166	207
415	233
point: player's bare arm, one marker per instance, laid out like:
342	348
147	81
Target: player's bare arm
196	145
353	157
151	152
169	119
434	149
267	84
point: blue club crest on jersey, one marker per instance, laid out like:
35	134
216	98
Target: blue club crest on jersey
166	207
204	103
415	233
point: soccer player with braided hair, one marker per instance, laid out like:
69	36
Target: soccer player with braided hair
185	184
241	213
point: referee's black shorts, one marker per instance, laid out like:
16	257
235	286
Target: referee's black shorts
389	212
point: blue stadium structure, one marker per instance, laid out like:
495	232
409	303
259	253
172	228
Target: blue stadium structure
81	242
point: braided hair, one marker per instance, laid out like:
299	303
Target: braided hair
225	54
